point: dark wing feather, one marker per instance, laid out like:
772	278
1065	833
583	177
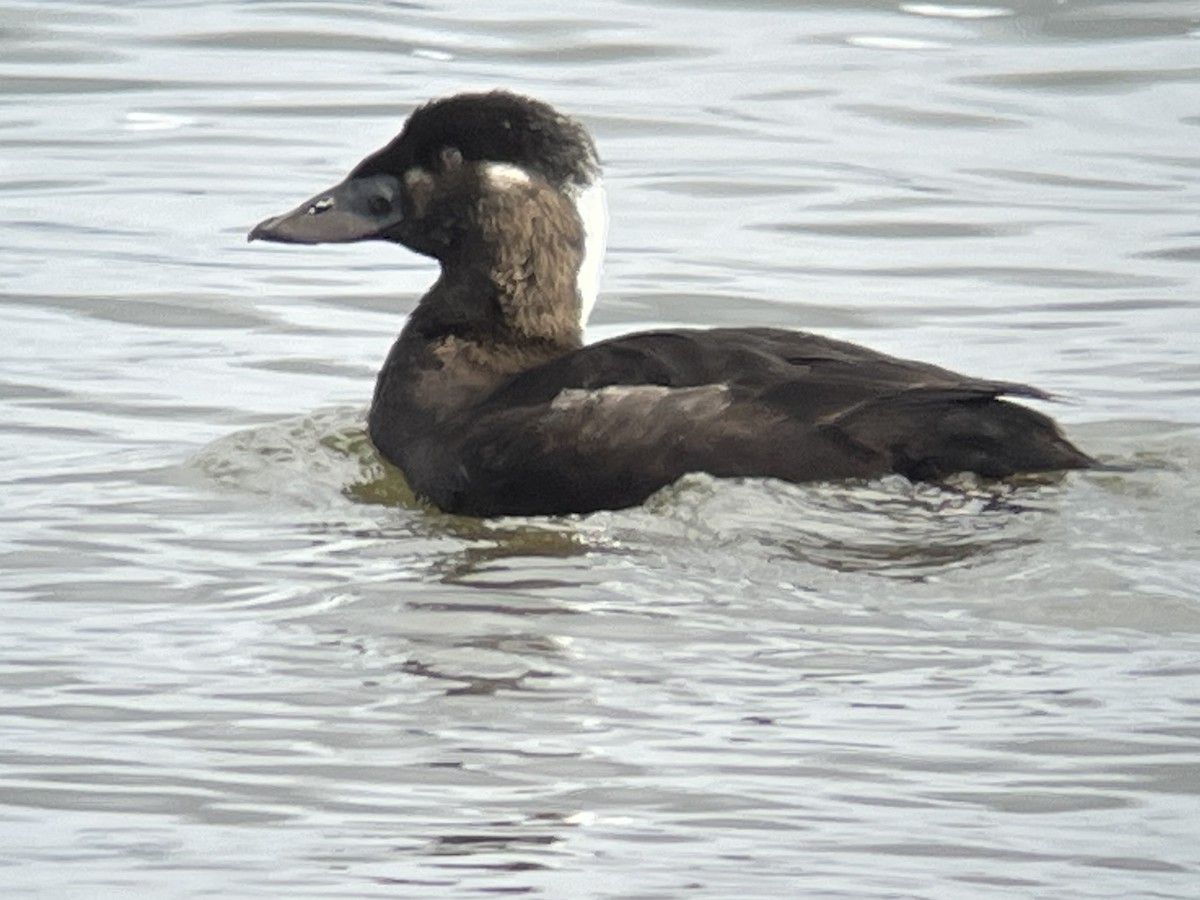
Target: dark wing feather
607	425
752	359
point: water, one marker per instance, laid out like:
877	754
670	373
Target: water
238	660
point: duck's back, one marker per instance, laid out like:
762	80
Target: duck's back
607	425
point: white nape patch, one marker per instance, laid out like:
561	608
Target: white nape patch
503	176
591	204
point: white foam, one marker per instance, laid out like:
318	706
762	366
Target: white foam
155	121
430	53
938	10
591	203
882	42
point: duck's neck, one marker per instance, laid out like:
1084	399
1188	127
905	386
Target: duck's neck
514	285
516	318
506	302
470	334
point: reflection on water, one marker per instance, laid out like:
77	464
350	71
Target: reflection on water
238	658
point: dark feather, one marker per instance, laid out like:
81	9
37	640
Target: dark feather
734	402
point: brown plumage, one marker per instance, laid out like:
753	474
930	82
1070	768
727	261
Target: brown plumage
490	404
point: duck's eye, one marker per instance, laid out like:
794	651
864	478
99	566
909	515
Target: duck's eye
379	206
320	206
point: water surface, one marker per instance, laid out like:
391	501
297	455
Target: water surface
238	660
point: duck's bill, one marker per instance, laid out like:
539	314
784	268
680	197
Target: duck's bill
358	209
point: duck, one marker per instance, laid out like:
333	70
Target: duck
491	404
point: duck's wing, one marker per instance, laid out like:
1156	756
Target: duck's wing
747	359
608	425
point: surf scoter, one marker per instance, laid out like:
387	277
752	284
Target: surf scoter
490	403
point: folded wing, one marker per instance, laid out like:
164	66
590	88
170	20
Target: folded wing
608	425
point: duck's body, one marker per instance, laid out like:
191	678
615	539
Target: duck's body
490	404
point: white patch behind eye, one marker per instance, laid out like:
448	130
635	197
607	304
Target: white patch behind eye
591	204
504	175
415	176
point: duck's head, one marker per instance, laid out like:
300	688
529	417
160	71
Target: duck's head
426	188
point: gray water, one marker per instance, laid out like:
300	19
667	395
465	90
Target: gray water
238	660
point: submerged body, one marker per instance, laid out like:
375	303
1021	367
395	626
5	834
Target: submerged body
490	404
